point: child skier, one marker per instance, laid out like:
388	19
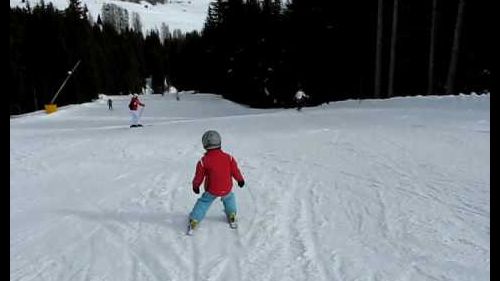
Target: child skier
217	168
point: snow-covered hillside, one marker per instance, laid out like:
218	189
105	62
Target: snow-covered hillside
185	15
395	189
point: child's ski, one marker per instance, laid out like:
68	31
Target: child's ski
231	219
233	225
189	231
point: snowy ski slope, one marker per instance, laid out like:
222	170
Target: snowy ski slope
397	189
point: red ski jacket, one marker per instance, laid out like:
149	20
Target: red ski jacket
217	168
134	103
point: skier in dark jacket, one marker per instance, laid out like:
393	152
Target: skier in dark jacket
110	104
300	98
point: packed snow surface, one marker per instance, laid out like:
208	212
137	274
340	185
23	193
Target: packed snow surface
395	189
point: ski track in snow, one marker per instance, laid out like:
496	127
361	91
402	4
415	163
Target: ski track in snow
345	194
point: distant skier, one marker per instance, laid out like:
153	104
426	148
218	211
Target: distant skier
165	87
110	104
300	98
173	90
217	168
135	113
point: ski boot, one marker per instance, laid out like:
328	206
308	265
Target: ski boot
231	219
192	226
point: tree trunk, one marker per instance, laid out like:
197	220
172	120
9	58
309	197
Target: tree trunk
35	102
378	59
430	79
452	70
392	63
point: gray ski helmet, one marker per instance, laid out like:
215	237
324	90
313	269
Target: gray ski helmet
211	140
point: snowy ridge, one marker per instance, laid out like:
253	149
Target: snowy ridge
186	15
392	189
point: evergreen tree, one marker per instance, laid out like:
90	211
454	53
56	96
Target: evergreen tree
254	52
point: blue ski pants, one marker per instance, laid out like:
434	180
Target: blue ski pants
203	204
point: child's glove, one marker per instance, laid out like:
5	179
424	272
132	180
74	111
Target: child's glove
196	190
241	183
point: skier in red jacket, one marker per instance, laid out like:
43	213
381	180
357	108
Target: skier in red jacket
136	114
217	168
